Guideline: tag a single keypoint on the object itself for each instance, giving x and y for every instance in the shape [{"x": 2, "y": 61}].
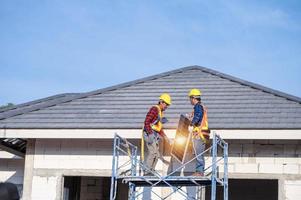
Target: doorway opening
[{"x": 89, "y": 187}]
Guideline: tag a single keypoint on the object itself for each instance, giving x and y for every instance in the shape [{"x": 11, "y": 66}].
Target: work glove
[
  {"x": 196, "y": 131},
  {"x": 190, "y": 129},
  {"x": 164, "y": 120}
]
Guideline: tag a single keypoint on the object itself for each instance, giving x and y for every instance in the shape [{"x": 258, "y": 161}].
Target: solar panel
[{"x": 182, "y": 139}]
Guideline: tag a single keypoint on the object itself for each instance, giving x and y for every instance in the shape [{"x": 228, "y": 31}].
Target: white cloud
[{"x": 260, "y": 15}]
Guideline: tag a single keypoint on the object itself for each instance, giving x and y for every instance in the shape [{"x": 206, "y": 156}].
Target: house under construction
[{"x": 61, "y": 147}]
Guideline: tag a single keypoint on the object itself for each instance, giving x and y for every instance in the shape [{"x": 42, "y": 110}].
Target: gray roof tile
[{"x": 232, "y": 104}]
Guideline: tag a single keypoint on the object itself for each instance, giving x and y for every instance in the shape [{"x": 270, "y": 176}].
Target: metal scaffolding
[{"x": 127, "y": 168}]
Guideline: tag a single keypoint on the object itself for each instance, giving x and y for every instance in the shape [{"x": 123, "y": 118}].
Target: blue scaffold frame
[{"x": 129, "y": 172}]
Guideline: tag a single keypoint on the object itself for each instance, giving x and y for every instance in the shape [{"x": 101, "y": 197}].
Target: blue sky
[{"x": 51, "y": 47}]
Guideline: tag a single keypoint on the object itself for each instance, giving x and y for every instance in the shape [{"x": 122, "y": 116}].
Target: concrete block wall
[
  {"x": 260, "y": 157},
  {"x": 264, "y": 157},
  {"x": 73, "y": 154},
  {"x": 268, "y": 159},
  {"x": 55, "y": 158}
]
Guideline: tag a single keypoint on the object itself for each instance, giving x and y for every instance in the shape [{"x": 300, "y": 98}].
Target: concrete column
[
  {"x": 281, "y": 189},
  {"x": 28, "y": 169},
  {"x": 59, "y": 188}
]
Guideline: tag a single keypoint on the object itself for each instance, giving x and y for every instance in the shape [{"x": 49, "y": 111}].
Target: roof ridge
[{"x": 250, "y": 84}]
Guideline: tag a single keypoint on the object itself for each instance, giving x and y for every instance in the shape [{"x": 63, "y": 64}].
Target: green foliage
[{"x": 7, "y": 106}]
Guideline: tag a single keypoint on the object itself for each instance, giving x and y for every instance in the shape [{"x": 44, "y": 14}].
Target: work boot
[
  {"x": 198, "y": 174},
  {"x": 148, "y": 173}
]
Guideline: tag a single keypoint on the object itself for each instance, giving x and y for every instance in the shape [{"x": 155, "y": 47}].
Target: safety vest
[
  {"x": 157, "y": 124},
  {"x": 203, "y": 129}
]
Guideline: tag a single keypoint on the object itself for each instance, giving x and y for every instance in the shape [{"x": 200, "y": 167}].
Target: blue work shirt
[{"x": 198, "y": 115}]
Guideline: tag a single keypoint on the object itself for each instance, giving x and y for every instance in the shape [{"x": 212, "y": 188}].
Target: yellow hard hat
[
  {"x": 194, "y": 93},
  {"x": 166, "y": 98}
]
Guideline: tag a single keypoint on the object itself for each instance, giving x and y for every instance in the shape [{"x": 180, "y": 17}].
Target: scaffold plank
[{"x": 144, "y": 181}]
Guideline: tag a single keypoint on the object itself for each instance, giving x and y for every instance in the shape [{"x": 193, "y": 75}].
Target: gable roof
[{"x": 232, "y": 104}]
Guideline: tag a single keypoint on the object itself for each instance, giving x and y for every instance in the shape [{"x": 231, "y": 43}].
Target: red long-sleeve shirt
[{"x": 150, "y": 118}]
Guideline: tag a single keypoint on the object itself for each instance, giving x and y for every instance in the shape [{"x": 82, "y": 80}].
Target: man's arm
[
  {"x": 151, "y": 115},
  {"x": 198, "y": 115},
  {"x": 162, "y": 133}
]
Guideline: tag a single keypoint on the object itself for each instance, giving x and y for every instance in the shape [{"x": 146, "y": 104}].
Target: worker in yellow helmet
[
  {"x": 153, "y": 132},
  {"x": 199, "y": 129}
]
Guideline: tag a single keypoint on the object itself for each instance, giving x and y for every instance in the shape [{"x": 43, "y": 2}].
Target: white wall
[
  {"x": 78, "y": 157},
  {"x": 292, "y": 190},
  {"x": 268, "y": 159},
  {"x": 44, "y": 187},
  {"x": 72, "y": 154},
  {"x": 11, "y": 169},
  {"x": 265, "y": 157},
  {"x": 83, "y": 157}
]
